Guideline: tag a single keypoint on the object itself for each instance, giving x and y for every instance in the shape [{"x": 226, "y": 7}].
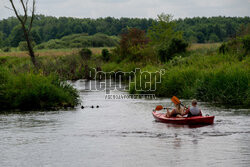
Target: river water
[{"x": 122, "y": 133}]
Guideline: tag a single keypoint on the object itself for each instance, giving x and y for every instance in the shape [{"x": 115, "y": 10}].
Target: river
[{"x": 122, "y": 133}]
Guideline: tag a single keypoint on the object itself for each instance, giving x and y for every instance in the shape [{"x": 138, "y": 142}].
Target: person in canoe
[
  {"x": 193, "y": 110},
  {"x": 178, "y": 111}
]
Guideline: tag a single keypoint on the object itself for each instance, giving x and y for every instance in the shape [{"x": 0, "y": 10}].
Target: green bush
[
  {"x": 30, "y": 91},
  {"x": 223, "y": 48},
  {"x": 85, "y": 53},
  {"x": 168, "y": 49},
  {"x": 6, "y": 49},
  {"x": 246, "y": 43},
  {"x": 105, "y": 55},
  {"x": 80, "y": 41},
  {"x": 213, "y": 78},
  {"x": 223, "y": 86},
  {"x": 239, "y": 46},
  {"x": 23, "y": 45}
]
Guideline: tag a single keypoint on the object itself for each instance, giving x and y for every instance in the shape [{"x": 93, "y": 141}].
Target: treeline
[
  {"x": 45, "y": 28},
  {"x": 213, "y": 29}
]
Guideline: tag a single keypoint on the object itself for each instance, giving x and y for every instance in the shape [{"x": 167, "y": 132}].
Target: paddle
[
  {"x": 175, "y": 100},
  {"x": 159, "y": 107}
]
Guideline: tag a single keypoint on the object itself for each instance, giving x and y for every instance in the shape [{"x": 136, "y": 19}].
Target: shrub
[
  {"x": 131, "y": 44},
  {"x": 85, "y": 53},
  {"x": 30, "y": 91},
  {"x": 6, "y": 49},
  {"x": 168, "y": 49},
  {"x": 239, "y": 46},
  {"x": 223, "y": 86},
  {"x": 246, "y": 43},
  {"x": 164, "y": 39},
  {"x": 105, "y": 55},
  {"x": 23, "y": 45},
  {"x": 223, "y": 48},
  {"x": 213, "y": 78},
  {"x": 80, "y": 41}
]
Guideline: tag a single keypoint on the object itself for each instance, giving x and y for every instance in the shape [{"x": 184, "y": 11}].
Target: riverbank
[
  {"x": 34, "y": 91},
  {"x": 217, "y": 78},
  {"x": 200, "y": 73}
]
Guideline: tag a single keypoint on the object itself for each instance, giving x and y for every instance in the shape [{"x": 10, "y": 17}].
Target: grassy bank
[
  {"x": 208, "y": 77},
  {"x": 29, "y": 91},
  {"x": 201, "y": 73}
]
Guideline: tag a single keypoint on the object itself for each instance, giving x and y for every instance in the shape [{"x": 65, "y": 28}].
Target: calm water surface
[{"x": 122, "y": 133}]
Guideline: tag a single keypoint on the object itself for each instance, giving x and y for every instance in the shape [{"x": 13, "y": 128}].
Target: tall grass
[
  {"x": 28, "y": 91},
  {"x": 211, "y": 77},
  {"x": 202, "y": 73}
]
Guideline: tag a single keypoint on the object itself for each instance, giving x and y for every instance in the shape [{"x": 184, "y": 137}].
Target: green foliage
[
  {"x": 6, "y": 49},
  {"x": 228, "y": 85},
  {"x": 45, "y": 28},
  {"x": 223, "y": 48},
  {"x": 106, "y": 55},
  {"x": 79, "y": 41},
  {"x": 164, "y": 39},
  {"x": 23, "y": 45},
  {"x": 16, "y": 36},
  {"x": 210, "y": 77},
  {"x": 167, "y": 50},
  {"x": 161, "y": 41},
  {"x": 239, "y": 46},
  {"x": 30, "y": 91},
  {"x": 200, "y": 37},
  {"x": 213, "y": 38},
  {"x": 246, "y": 43},
  {"x": 1, "y": 39},
  {"x": 202, "y": 29},
  {"x": 132, "y": 42},
  {"x": 85, "y": 53},
  {"x": 162, "y": 30}
]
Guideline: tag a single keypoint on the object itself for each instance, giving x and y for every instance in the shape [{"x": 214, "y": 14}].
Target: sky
[{"x": 134, "y": 8}]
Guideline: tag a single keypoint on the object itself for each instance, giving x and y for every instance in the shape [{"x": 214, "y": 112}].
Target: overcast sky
[{"x": 136, "y": 8}]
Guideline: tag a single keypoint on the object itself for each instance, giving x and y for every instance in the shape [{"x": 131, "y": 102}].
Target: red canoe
[{"x": 197, "y": 120}]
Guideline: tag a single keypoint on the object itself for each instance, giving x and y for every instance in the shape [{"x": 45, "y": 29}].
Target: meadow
[{"x": 15, "y": 52}]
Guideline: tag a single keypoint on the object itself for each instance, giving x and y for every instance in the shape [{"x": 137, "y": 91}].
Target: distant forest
[{"x": 45, "y": 28}]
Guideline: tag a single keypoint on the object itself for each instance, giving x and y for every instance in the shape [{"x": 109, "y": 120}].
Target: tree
[
  {"x": 23, "y": 45},
  {"x": 85, "y": 54},
  {"x": 231, "y": 32},
  {"x": 164, "y": 39},
  {"x": 105, "y": 55},
  {"x": 162, "y": 30},
  {"x": 132, "y": 43},
  {"x": 77, "y": 29},
  {"x": 200, "y": 37},
  {"x": 213, "y": 38},
  {"x": 1, "y": 39},
  {"x": 16, "y": 36},
  {"x": 26, "y": 28}
]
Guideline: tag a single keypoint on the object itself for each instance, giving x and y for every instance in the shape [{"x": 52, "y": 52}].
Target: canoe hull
[{"x": 196, "y": 120}]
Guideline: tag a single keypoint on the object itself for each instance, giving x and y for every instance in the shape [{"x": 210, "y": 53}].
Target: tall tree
[{"x": 26, "y": 27}]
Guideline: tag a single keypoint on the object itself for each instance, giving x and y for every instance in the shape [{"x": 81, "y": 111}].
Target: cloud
[{"x": 137, "y": 8}]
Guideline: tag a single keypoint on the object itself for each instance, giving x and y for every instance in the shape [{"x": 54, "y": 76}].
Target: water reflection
[{"x": 122, "y": 133}]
